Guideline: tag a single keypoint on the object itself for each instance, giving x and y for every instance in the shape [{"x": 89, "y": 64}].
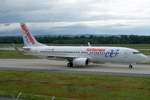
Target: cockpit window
[{"x": 136, "y": 52}]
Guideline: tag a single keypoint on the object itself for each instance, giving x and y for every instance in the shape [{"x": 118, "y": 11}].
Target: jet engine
[{"x": 80, "y": 62}]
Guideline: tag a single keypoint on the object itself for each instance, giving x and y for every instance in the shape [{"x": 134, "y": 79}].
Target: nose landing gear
[{"x": 130, "y": 66}]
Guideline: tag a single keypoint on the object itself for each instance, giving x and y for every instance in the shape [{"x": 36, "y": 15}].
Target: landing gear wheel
[
  {"x": 130, "y": 66},
  {"x": 70, "y": 64}
]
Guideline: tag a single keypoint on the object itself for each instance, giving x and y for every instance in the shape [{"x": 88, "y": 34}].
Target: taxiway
[{"x": 43, "y": 65}]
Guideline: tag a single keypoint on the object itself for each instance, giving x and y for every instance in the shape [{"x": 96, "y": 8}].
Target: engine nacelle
[{"x": 80, "y": 62}]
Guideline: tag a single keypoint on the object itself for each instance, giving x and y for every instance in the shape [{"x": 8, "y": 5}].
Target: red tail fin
[
  {"x": 28, "y": 38},
  {"x": 28, "y": 34}
]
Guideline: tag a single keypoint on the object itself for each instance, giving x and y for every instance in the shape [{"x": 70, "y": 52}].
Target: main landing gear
[
  {"x": 69, "y": 64},
  {"x": 130, "y": 66}
]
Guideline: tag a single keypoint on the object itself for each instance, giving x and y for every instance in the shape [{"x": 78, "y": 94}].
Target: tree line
[{"x": 123, "y": 39}]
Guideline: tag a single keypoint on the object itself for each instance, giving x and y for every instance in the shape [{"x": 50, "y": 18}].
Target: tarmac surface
[{"x": 44, "y": 65}]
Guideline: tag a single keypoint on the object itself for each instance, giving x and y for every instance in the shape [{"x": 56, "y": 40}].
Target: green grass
[
  {"x": 136, "y": 46},
  {"x": 10, "y": 45},
  {"x": 145, "y": 63},
  {"x": 6, "y": 54},
  {"x": 44, "y": 85},
  {"x": 146, "y": 52}
]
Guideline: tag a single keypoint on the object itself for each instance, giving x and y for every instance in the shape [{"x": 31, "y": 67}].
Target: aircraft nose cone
[{"x": 144, "y": 57}]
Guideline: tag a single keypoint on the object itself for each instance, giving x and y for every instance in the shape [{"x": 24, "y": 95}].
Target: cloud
[
  {"x": 10, "y": 27},
  {"x": 47, "y": 14}
]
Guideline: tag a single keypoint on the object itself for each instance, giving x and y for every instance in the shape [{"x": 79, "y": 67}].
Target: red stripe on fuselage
[
  {"x": 93, "y": 49},
  {"x": 26, "y": 32}
]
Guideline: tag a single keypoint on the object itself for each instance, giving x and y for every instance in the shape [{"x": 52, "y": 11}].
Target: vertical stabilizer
[{"x": 28, "y": 38}]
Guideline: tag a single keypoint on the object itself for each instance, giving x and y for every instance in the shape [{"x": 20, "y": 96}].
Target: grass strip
[
  {"x": 44, "y": 85},
  {"x": 6, "y": 54}
]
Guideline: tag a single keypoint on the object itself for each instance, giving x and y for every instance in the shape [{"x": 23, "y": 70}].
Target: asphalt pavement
[{"x": 44, "y": 65}]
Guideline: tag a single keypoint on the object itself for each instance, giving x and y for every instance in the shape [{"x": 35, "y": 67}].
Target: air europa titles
[
  {"x": 93, "y": 49},
  {"x": 107, "y": 53},
  {"x": 112, "y": 53}
]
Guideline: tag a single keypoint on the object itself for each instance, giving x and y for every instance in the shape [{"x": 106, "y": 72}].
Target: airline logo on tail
[{"x": 27, "y": 34}]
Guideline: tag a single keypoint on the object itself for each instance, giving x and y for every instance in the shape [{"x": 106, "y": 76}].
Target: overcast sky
[{"x": 75, "y": 16}]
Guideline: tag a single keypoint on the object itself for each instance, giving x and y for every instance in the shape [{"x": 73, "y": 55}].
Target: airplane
[{"x": 80, "y": 56}]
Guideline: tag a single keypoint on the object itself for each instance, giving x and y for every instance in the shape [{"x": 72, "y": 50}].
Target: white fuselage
[
  {"x": 80, "y": 56},
  {"x": 94, "y": 54}
]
